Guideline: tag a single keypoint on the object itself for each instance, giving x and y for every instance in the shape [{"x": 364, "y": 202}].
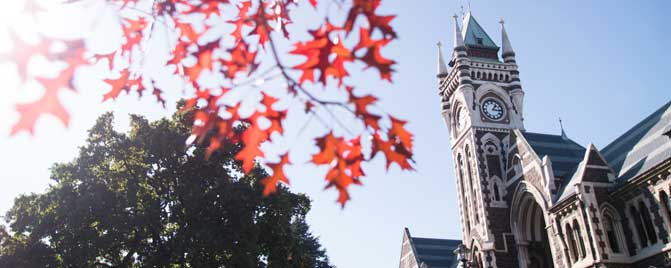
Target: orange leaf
[
  {"x": 118, "y": 85},
  {"x": 252, "y": 138},
  {"x": 270, "y": 182}
]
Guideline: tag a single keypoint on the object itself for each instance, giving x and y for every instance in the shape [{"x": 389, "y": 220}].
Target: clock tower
[{"x": 482, "y": 101}]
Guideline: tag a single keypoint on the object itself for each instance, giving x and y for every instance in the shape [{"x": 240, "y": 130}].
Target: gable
[
  {"x": 427, "y": 252},
  {"x": 564, "y": 153}
]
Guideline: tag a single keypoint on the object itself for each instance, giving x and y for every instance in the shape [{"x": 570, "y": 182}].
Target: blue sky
[{"x": 599, "y": 65}]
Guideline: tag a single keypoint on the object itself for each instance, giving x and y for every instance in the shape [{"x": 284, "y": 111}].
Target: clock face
[{"x": 492, "y": 109}]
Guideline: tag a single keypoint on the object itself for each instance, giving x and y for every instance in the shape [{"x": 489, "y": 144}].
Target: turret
[
  {"x": 442, "y": 67},
  {"x": 507, "y": 52}
]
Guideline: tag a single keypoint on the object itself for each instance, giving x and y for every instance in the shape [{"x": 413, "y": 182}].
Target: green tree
[{"x": 145, "y": 199}]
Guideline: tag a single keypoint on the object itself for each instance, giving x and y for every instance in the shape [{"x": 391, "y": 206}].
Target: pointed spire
[
  {"x": 563, "y": 133},
  {"x": 458, "y": 39},
  {"x": 442, "y": 68},
  {"x": 507, "y": 49}
]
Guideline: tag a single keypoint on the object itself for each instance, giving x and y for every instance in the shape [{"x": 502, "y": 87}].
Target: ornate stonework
[{"x": 533, "y": 200}]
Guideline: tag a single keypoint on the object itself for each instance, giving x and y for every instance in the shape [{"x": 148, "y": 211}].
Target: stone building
[{"x": 539, "y": 200}]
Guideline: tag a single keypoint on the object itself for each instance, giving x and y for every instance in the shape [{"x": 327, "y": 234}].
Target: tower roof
[{"x": 474, "y": 35}]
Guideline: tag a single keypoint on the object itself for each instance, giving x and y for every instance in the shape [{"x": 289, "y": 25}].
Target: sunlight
[{"x": 11, "y": 20}]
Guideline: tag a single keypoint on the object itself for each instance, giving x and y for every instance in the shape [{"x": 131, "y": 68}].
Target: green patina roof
[{"x": 472, "y": 31}]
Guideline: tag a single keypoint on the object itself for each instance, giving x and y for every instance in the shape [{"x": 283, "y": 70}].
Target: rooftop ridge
[{"x": 635, "y": 128}]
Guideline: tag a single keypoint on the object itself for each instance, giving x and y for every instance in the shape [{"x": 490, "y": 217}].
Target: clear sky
[{"x": 599, "y": 65}]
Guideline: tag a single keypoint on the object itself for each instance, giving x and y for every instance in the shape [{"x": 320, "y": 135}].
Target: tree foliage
[
  {"x": 142, "y": 199},
  {"x": 199, "y": 50}
]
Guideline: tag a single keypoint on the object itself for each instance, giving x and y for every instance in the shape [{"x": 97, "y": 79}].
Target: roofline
[
  {"x": 563, "y": 203},
  {"x": 519, "y": 133},
  {"x": 635, "y": 127},
  {"x": 651, "y": 172},
  {"x": 441, "y": 239},
  {"x": 412, "y": 246},
  {"x": 464, "y": 30}
]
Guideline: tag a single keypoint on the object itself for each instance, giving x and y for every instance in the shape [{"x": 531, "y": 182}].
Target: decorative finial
[
  {"x": 458, "y": 39},
  {"x": 442, "y": 68},
  {"x": 507, "y": 51},
  {"x": 563, "y": 133}
]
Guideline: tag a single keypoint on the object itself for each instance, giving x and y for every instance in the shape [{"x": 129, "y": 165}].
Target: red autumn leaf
[
  {"x": 270, "y": 182},
  {"x": 241, "y": 21},
  {"x": 23, "y": 52},
  {"x": 215, "y": 117},
  {"x": 108, "y": 56},
  {"x": 398, "y": 131},
  {"x": 203, "y": 61},
  {"x": 47, "y": 104},
  {"x": 367, "y": 8},
  {"x": 275, "y": 116},
  {"x": 118, "y": 85},
  {"x": 252, "y": 138},
  {"x": 324, "y": 54},
  {"x": 344, "y": 160},
  {"x": 361, "y": 108},
  {"x": 187, "y": 31},
  {"x": 373, "y": 56},
  {"x": 388, "y": 148},
  {"x": 207, "y": 7},
  {"x": 241, "y": 60},
  {"x": 327, "y": 149}
]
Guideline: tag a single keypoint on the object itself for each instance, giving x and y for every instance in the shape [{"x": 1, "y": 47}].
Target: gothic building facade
[{"x": 532, "y": 200}]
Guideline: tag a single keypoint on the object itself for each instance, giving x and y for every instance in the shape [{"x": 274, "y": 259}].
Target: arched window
[
  {"x": 460, "y": 162},
  {"x": 497, "y": 192},
  {"x": 647, "y": 222},
  {"x": 472, "y": 184},
  {"x": 578, "y": 236},
  {"x": 612, "y": 229},
  {"x": 572, "y": 247},
  {"x": 473, "y": 74},
  {"x": 479, "y": 75},
  {"x": 666, "y": 206},
  {"x": 638, "y": 223}
]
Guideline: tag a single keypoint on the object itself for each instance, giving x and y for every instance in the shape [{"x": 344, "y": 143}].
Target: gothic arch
[
  {"x": 496, "y": 90},
  {"x": 463, "y": 186},
  {"x": 459, "y": 103},
  {"x": 613, "y": 229},
  {"x": 498, "y": 189},
  {"x": 528, "y": 221},
  {"x": 489, "y": 137}
]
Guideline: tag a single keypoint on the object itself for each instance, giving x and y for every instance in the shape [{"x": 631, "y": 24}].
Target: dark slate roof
[
  {"x": 564, "y": 153},
  {"x": 472, "y": 31},
  {"x": 642, "y": 147},
  {"x": 436, "y": 253}
]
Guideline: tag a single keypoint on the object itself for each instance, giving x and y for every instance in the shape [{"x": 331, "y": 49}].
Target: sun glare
[{"x": 10, "y": 15}]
